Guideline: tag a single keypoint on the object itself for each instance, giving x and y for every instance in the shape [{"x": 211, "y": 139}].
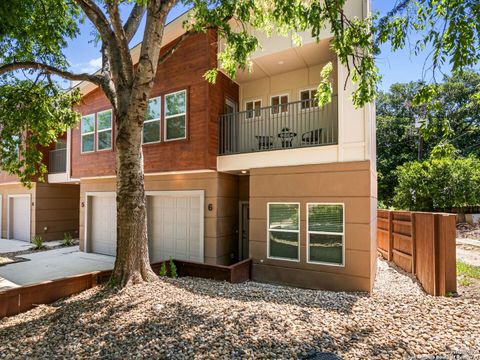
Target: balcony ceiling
[{"x": 291, "y": 59}]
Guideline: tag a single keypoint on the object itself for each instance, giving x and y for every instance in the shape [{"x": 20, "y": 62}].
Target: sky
[{"x": 400, "y": 66}]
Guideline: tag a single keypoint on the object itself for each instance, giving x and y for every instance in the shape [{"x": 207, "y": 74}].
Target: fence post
[
  {"x": 390, "y": 235},
  {"x": 414, "y": 243}
]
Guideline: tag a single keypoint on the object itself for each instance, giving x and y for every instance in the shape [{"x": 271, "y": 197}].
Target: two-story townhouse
[
  {"x": 249, "y": 167},
  {"x": 48, "y": 208}
]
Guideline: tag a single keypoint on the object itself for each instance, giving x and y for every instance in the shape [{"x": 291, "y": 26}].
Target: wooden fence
[
  {"x": 17, "y": 300},
  {"x": 422, "y": 244}
]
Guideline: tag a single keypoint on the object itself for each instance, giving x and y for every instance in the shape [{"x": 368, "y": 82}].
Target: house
[
  {"x": 250, "y": 167},
  {"x": 49, "y": 208}
]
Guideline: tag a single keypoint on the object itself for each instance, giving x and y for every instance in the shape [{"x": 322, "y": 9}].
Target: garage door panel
[
  {"x": 175, "y": 230},
  {"x": 103, "y": 220},
  {"x": 20, "y": 218}
]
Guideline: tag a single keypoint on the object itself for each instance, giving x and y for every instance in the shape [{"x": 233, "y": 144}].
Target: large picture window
[
  {"x": 326, "y": 234},
  {"x": 284, "y": 231},
  {"x": 104, "y": 130},
  {"x": 151, "y": 126},
  {"x": 175, "y": 115},
  {"x": 87, "y": 126}
]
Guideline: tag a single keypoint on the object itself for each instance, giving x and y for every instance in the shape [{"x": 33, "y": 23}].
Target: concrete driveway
[{"x": 51, "y": 265}]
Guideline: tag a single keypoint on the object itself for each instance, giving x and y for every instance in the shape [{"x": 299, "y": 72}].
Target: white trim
[
  {"x": 279, "y": 104},
  {"x": 104, "y": 130},
  {"x": 88, "y": 133},
  {"x": 86, "y": 213},
  {"x": 159, "y": 119},
  {"x": 29, "y": 214},
  {"x": 165, "y": 117},
  {"x": 326, "y": 233},
  {"x": 283, "y": 230},
  {"x": 253, "y": 110},
  {"x": 153, "y": 174}
]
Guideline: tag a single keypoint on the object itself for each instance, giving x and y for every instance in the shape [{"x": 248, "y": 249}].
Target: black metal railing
[
  {"x": 57, "y": 162},
  {"x": 285, "y": 126}
]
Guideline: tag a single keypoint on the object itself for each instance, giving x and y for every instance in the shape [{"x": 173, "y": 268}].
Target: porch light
[{"x": 244, "y": 171}]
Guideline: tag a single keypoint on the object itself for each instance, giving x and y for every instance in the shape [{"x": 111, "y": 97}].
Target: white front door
[
  {"x": 19, "y": 211},
  {"x": 102, "y": 215},
  {"x": 175, "y": 225}
]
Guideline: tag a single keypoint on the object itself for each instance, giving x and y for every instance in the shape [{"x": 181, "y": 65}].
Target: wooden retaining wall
[
  {"x": 17, "y": 300},
  {"x": 422, "y": 244}
]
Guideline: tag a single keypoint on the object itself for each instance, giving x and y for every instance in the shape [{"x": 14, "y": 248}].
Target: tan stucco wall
[
  {"x": 16, "y": 189},
  {"x": 57, "y": 210},
  {"x": 221, "y": 191},
  {"x": 348, "y": 183}
]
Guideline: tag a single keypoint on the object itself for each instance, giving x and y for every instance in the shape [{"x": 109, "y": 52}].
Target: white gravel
[{"x": 195, "y": 318}]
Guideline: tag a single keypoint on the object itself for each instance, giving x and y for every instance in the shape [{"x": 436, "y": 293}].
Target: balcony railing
[
  {"x": 285, "y": 126},
  {"x": 57, "y": 162}
]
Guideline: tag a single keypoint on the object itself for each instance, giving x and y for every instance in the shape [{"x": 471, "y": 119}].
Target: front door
[{"x": 244, "y": 238}]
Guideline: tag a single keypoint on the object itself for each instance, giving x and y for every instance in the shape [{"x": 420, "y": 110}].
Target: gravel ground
[
  {"x": 468, "y": 231},
  {"x": 195, "y": 318}
]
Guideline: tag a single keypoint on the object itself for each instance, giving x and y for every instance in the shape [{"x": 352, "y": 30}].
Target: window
[
  {"x": 104, "y": 130},
  {"x": 151, "y": 126},
  {"x": 279, "y": 104},
  {"x": 175, "y": 115},
  {"x": 250, "y": 106},
  {"x": 309, "y": 98},
  {"x": 325, "y": 234},
  {"x": 283, "y": 231},
  {"x": 87, "y": 125}
]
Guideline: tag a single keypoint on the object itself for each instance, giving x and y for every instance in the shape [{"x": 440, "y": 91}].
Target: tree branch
[
  {"x": 95, "y": 79},
  {"x": 133, "y": 21},
  {"x": 97, "y": 17}
]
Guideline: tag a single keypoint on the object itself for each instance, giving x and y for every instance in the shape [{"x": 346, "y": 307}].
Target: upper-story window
[
  {"x": 104, "y": 130},
  {"x": 87, "y": 125},
  {"x": 175, "y": 115},
  {"x": 253, "y": 108},
  {"x": 308, "y": 98},
  {"x": 279, "y": 104},
  {"x": 151, "y": 126}
]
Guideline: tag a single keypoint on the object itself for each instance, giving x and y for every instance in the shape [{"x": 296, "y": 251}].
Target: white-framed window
[
  {"x": 151, "y": 125},
  {"x": 252, "y": 108},
  {"x": 87, "y": 128},
  {"x": 326, "y": 234},
  {"x": 104, "y": 130},
  {"x": 283, "y": 228},
  {"x": 279, "y": 104},
  {"x": 308, "y": 98},
  {"x": 176, "y": 115}
]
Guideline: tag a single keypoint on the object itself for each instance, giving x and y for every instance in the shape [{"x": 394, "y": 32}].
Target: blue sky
[{"x": 400, "y": 66}]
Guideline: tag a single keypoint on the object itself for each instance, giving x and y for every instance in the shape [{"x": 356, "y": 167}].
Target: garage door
[
  {"x": 103, "y": 225},
  {"x": 175, "y": 225},
  {"x": 20, "y": 218}
]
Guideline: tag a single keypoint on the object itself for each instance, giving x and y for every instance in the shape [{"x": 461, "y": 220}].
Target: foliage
[
  {"x": 67, "y": 239},
  {"x": 173, "y": 269},
  {"x": 163, "y": 269},
  {"x": 37, "y": 242},
  {"x": 467, "y": 272},
  {"x": 442, "y": 182}
]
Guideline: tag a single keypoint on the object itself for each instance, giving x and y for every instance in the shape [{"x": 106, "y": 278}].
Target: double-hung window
[
  {"x": 279, "y": 104},
  {"x": 151, "y": 126},
  {"x": 175, "y": 115},
  {"x": 104, "y": 130},
  {"x": 87, "y": 126},
  {"x": 253, "y": 108},
  {"x": 325, "y": 234},
  {"x": 308, "y": 98},
  {"x": 284, "y": 231}
]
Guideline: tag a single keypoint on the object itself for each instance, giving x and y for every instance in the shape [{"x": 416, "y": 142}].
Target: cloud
[{"x": 93, "y": 65}]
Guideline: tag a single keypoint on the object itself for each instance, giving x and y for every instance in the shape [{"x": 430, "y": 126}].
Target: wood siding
[{"x": 205, "y": 102}]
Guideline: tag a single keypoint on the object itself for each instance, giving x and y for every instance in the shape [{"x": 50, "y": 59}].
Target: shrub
[
  {"x": 67, "y": 239},
  {"x": 163, "y": 269},
  {"x": 173, "y": 269},
  {"x": 37, "y": 242}
]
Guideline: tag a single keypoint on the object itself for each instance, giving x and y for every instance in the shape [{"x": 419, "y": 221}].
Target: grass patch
[
  {"x": 466, "y": 270},
  {"x": 464, "y": 281}
]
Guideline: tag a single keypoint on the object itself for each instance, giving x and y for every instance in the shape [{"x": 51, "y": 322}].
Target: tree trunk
[{"x": 132, "y": 264}]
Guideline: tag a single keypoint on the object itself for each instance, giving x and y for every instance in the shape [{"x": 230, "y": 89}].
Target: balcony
[
  {"x": 57, "y": 162},
  {"x": 279, "y": 127}
]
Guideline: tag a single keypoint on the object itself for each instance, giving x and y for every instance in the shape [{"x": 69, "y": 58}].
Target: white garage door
[
  {"x": 175, "y": 225},
  {"x": 103, "y": 225},
  {"x": 20, "y": 218}
]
